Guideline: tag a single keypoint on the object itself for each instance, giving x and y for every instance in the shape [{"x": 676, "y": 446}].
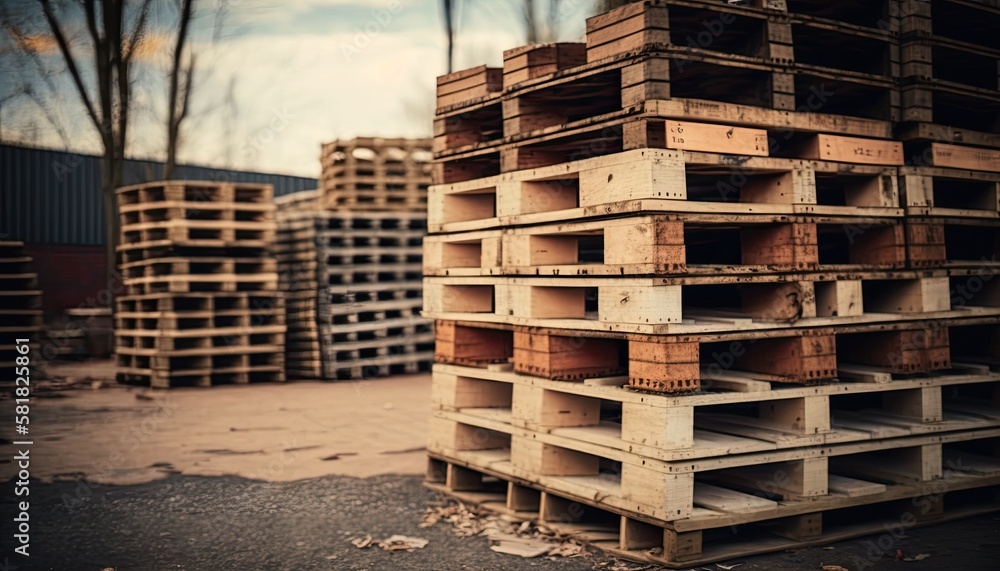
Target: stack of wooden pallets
[
  {"x": 951, "y": 112},
  {"x": 201, "y": 304},
  {"x": 368, "y": 173},
  {"x": 20, "y": 308},
  {"x": 298, "y": 279},
  {"x": 350, "y": 260},
  {"x": 677, "y": 289}
]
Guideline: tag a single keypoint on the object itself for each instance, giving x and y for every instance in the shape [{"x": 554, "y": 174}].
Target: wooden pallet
[
  {"x": 952, "y": 242},
  {"x": 363, "y": 199},
  {"x": 183, "y": 354},
  {"x": 370, "y": 255},
  {"x": 877, "y": 15},
  {"x": 645, "y": 126},
  {"x": 950, "y": 83},
  {"x": 198, "y": 233},
  {"x": 173, "y": 266},
  {"x": 201, "y": 282},
  {"x": 724, "y": 533},
  {"x": 383, "y": 312},
  {"x": 951, "y": 19},
  {"x": 20, "y": 308},
  {"x": 347, "y": 332},
  {"x": 352, "y": 351},
  {"x": 677, "y": 181},
  {"x": 968, "y": 114},
  {"x": 142, "y": 213},
  {"x": 688, "y": 306},
  {"x": 200, "y": 302},
  {"x": 725, "y": 418},
  {"x": 386, "y": 174},
  {"x": 596, "y": 96},
  {"x": 538, "y": 60},
  {"x": 949, "y": 192},
  {"x": 200, "y": 378},
  {"x": 956, "y": 156},
  {"x": 952, "y": 62},
  {"x": 202, "y": 320},
  {"x": 298, "y": 217},
  {"x": 355, "y": 310},
  {"x": 468, "y": 85},
  {"x": 716, "y": 303},
  {"x": 674, "y": 244},
  {"x": 645, "y": 467},
  {"x": 746, "y": 33},
  {"x": 761, "y": 71},
  {"x": 296, "y": 203},
  {"x": 401, "y": 363},
  {"x": 265, "y": 331},
  {"x": 200, "y": 305},
  {"x": 194, "y": 191},
  {"x": 335, "y": 276},
  {"x": 367, "y": 331},
  {"x": 680, "y": 363}
]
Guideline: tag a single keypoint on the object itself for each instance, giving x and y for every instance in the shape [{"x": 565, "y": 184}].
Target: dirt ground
[
  {"x": 273, "y": 432},
  {"x": 284, "y": 477}
]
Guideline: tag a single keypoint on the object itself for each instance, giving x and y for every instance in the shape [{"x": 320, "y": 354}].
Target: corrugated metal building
[
  {"x": 54, "y": 197},
  {"x": 51, "y": 200}
]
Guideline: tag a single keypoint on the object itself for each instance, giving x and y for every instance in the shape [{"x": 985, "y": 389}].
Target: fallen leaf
[
  {"x": 919, "y": 557},
  {"x": 403, "y": 543},
  {"x": 362, "y": 542},
  {"x": 834, "y": 568}
]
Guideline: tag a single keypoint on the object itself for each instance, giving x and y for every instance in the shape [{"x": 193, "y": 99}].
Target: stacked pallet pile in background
[
  {"x": 690, "y": 285},
  {"x": 352, "y": 270},
  {"x": 298, "y": 279},
  {"x": 20, "y": 308},
  {"x": 201, "y": 304},
  {"x": 367, "y": 173}
]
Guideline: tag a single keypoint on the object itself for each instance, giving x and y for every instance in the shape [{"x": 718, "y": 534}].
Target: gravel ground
[{"x": 226, "y": 523}]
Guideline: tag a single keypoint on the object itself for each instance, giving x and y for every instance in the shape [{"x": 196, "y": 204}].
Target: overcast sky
[{"x": 283, "y": 76}]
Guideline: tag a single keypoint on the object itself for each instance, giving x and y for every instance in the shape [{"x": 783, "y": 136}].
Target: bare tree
[
  {"x": 449, "y": 30},
  {"x": 99, "y": 42},
  {"x": 180, "y": 89},
  {"x": 530, "y": 21},
  {"x": 606, "y": 5},
  {"x": 115, "y": 31},
  {"x": 538, "y": 31}
]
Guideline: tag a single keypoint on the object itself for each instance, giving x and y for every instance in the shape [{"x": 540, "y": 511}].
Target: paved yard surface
[{"x": 269, "y": 477}]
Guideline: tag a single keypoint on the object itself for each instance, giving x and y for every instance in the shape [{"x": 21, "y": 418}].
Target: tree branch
[
  {"x": 139, "y": 32},
  {"x": 178, "y": 102},
  {"x": 70, "y": 62}
]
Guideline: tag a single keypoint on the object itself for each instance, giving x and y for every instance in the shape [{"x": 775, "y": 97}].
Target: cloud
[
  {"x": 303, "y": 72},
  {"x": 41, "y": 44}
]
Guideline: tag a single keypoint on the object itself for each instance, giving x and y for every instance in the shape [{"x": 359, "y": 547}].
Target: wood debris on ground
[
  {"x": 524, "y": 539},
  {"x": 392, "y": 543}
]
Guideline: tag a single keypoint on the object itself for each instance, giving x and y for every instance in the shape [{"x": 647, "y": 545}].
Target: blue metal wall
[{"x": 53, "y": 197}]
